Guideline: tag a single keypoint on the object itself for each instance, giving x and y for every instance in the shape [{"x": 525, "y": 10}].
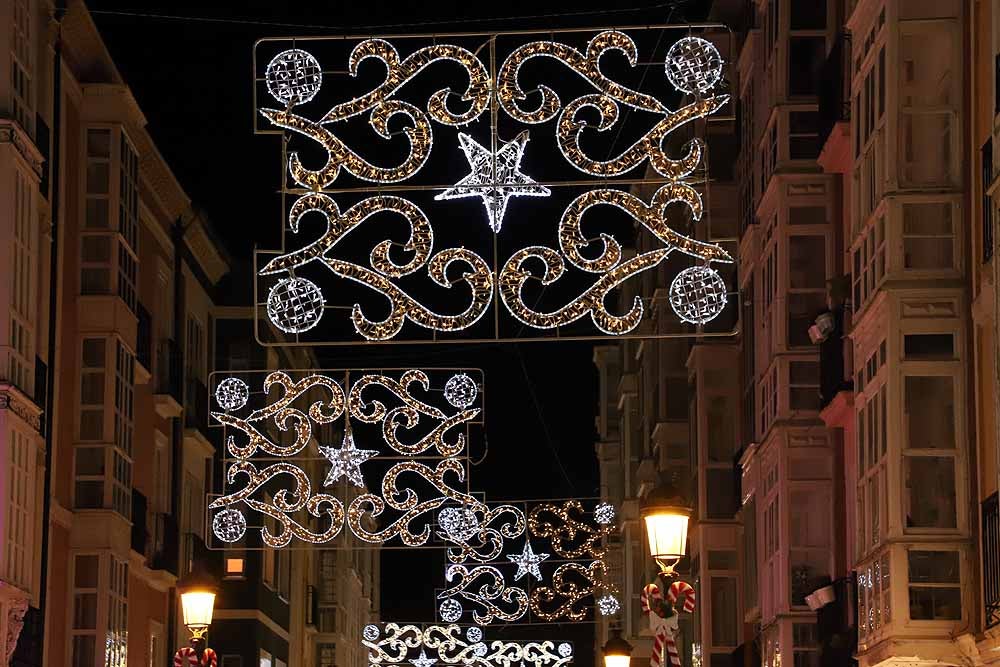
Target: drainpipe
[{"x": 55, "y": 198}]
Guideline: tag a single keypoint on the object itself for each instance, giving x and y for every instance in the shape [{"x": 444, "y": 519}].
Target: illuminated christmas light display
[
  {"x": 293, "y": 77},
  {"x": 608, "y": 605},
  {"x": 693, "y": 66},
  {"x": 458, "y": 523},
  {"x": 495, "y": 177},
  {"x": 446, "y": 646},
  {"x": 229, "y": 525},
  {"x": 698, "y": 294},
  {"x": 604, "y": 513},
  {"x": 346, "y": 462},
  {"x": 527, "y": 562},
  {"x": 460, "y": 390},
  {"x": 295, "y": 305},
  {"x": 485, "y": 587},
  {"x": 232, "y": 394}
]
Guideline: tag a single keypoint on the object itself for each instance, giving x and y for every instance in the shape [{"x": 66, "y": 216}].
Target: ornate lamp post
[
  {"x": 197, "y": 591},
  {"x": 666, "y": 514},
  {"x": 617, "y": 651}
]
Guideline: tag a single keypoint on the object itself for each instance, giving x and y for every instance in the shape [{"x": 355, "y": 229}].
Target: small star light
[
  {"x": 295, "y": 305},
  {"x": 232, "y": 394},
  {"x": 293, "y": 77},
  {"x": 451, "y": 610},
  {"x": 527, "y": 562},
  {"x": 229, "y": 525},
  {"x": 474, "y": 634},
  {"x": 346, "y": 461},
  {"x": 370, "y": 632},
  {"x": 460, "y": 390},
  {"x": 698, "y": 294},
  {"x": 458, "y": 523},
  {"x": 604, "y": 513},
  {"x": 565, "y": 649},
  {"x": 423, "y": 660},
  {"x": 495, "y": 188},
  {"x": 693, "y": 65},
  {"x": 608, "y": 605}
]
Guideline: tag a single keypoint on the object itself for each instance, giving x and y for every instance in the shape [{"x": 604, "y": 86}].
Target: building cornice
[
  {"x": 13, "y": 399},
  {"x": 12, "y": 133}
]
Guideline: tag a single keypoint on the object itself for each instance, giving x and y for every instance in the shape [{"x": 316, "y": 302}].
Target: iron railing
[
  {"x": 168, "y": 369},
  {"x": 991, "y": 559},
  {"x": 835, "y": 86},
  {"x": 986, "y": 153}
]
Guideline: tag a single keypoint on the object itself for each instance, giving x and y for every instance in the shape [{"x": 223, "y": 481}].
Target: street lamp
[
  {"x": 197, "y": 591},
  {"x": 617, "y": 651},
  {"x": 666, "y": 514}
]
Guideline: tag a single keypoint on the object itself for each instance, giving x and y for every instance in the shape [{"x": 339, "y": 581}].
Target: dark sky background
[{"x": 192, "y": 79}]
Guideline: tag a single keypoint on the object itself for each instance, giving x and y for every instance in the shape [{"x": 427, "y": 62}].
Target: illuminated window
[
  {"x": 935, "y": 585},
  {"x": 234, "y": 567}
]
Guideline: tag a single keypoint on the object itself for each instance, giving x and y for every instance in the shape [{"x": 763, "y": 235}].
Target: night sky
[{"x": 192, "y": 79}]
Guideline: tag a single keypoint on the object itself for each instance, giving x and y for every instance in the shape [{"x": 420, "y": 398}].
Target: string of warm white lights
[{"x": 394, "y": 644}]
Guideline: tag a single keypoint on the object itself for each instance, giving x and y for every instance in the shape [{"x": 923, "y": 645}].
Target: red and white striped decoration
[
  {"x": 186, "y": 657},
  {"x": 664, "y": 632}
]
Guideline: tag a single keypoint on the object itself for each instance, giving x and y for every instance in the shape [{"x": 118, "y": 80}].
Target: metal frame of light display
[{"x": 405, "y": 258}]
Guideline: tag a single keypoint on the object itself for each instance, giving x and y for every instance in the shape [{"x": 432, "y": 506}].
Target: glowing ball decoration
[
  {"x": 693, "y": 65},
  {"x": 229, "y": 525},
  {"x": 295, "y": 305},
  {"x": 460, "y": 391},
  {"x": 451, "y": 610},
  {"x": 232, "y": 394},
  {"x": 698, "y": 294},
  {"x": 293, "y": 77},
  {"x": 458, "y": 523}
]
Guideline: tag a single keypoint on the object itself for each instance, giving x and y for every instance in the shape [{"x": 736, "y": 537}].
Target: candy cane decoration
[
  {"x": 186, "y": 657},
  {"x": 664, "y": 627}
]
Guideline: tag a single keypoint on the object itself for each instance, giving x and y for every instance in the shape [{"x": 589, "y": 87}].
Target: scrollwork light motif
[
  {"x": 572, "y": 584},
  {"x": 484, "y": 585},
  {"x": 447, "y": 645},
  {"x": 401, "y": 486},
  {"x": 570, "y": 535}
]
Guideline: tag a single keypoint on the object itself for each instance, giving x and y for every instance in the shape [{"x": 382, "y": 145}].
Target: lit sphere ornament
[
  {"x": 295, "y": 305},
  {"x": 232, "y": 394},
  {"x": 460, "y": 391},
  {"x": 451, "y": 610},
  {"x": 474, "y": 634},
  {"x": 229, "y": 525},
  {"x": 698, "y": 294},
  {"x": 604, "y": 513},
  {"x": 293, "y": 77},
  {"x": 608, "y": 605},
  {"x": 458, "y": 523},
  {"x": 479, "y": 650},
  {"x": 370, "y": 632},
  {"x": 565, "y": 649},
  {"x": 693, "y": 65}
]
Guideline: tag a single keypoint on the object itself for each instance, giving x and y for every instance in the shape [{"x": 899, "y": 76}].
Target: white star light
[
  {"x": 495, "y": 188},
  {"x": 527, "y": 562},
  {"x": 423, "y": 660},
  {"x": 346, "y": 461}
]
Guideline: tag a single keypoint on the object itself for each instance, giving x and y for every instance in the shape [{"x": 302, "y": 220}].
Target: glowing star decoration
[
  {"x": 423, "y": 660},
  {"x": 346, "y": 462},
  {"x": 229, "y": 525},
  {"x": 604, "y": 513},
  {"x": 693, "y": 65},
  {"x": 232, "y": 394},
  {"x": 295, "y": 305},
  {"x": 450, "y": 610},
  {"x": 495, "y": 177},
  {"x": 527, "y": 562},
  {"x": 458, "y": 523},
  {"x": 698, "y": 295},
  {"x": 293, "y": 77},
  {"x": 608, "y": 605},
  {"x": 370, "y": 632},
  {"x": 460, "y": 391}
]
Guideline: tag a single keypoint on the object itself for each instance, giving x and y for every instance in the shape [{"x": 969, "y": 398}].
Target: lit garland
[
  {"x": 570, "y": 536},
  {"x": 484, "y": 585},
  {"x": 328, "y": 403},
  {"x": 497, "y": 525},
  {"x": 495, "y": 177},
  {"x": 571, "y": 584},
  {"x": 446, "y": 645}
]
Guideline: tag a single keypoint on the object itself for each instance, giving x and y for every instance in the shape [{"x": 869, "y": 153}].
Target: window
[
  {"x": 20, "y": 512},
  {"x": 930, "y": 412},
  {"x": 809, "y": 541},
  {"x": 868, "y": 263},
  {"x": 805, "y": 645},
  {"x": 928, "y": 236},
  {"x": 805, "y": 60},
  {"x": 929, "y": 346},
  {"x": 872, "y": 490},
  {"x": 235, "y": 568},
  {"x": 128, "y": 222},
  {"x": 928, "y": 95},
  {"x": 326, "y": 655},
  {"x": 724, "y": 607},
  {"x": 161, "y": 478},
  {"x": 23, "y": 299},
  {"x": 22, "y": 98},
  {"x": 124, "y": 414},
  {"x": 874, "y": 596},
  {"x": 157, "y": 645},
  {"x": 116, "y": 644},
  {"x": 935, "y": 580},
  {"x": 265, "y": 659},
  {"x": 803, "y": 135},
  {"x": 807, "y": 215},
  {"x": 807, "y": 286},
  {"x": 231, "y": 661},
  {"x": 803, "y": 385},
  {"x": 86, "y": 572},
  {"x": 930, "y": 491}
]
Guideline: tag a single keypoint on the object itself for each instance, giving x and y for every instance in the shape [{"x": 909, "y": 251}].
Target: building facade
[{"x": 118, "y": 308}]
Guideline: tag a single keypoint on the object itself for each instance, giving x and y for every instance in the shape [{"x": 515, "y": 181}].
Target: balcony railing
[
  {"x": 991, "y": 560},
  {"x": 165, "y": 543},
  {"x": 832, "y": 378},
  {"x": 168, "y": 369},
  {"x": 196, "y": 406},
  {"x": 144, "y": 338},
  {"x": 835, "y": 86},
  {"x": 140, "y": 533}
]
